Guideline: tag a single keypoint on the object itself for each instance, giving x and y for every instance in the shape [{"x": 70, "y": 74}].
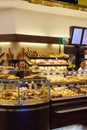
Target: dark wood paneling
[
  {"x": 28, "y": 38},
  {"x": 33, "y": 117},
  {"x": 7, "y": 37},
  {"x": 36, "y": 39},
  {"x": 71, "y": 49},
  {"x": 67, "y": 111}
]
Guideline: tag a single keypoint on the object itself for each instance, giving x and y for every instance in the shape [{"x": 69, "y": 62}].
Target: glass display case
[
  {"x": 71, "y": 84},
  {"x": 68, "y": 99},
  {"x": 23, "y": 100},
  {"x": 24, "y": 91}
]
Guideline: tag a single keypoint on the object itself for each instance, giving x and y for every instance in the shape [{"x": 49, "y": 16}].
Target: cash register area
[{"x": 73, "y": 127}]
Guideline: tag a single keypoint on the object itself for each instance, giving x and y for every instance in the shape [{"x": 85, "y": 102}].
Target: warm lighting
[
  {"x": 55, "y": 45},
  {"x": 33, "y": 44},
  {"x": 5, "y": 43}
]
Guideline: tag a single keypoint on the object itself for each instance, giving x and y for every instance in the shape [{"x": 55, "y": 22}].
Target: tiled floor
[{"x": 73, "y": 127}]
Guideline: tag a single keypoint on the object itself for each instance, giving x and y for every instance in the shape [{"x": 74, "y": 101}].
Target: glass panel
[{"x": 33, "y": 91}]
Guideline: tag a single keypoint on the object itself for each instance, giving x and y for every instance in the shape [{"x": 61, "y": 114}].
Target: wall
[
  {"x": 36, "y": 23},
  {"x": 7, "y": 21}
]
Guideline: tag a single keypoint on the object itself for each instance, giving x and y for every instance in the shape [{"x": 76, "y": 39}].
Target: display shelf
[
  {"x": 50, "y": 65},
  {"x": 38, "y": 57},
  {"x": 2, "y": 54},
  {"x": 5, "y": 81},
  {"x": 69, "y": 83},
  {"x": 68, "y": 98},
  {"x": 34, "y": 80},
  {"x": 28, "y": 38},
  {"x": 24, "y": 79},
  {"x": 2, "y": 61},
  {"x": 46, "y": 60},
  {"x": 70, "y": 103}
]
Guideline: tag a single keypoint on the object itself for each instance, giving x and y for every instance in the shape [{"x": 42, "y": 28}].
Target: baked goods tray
[
  {"x": 8, "y": 80},
  {"x": 69, "y": 97},
  {"x": 68, "y": 83},
  {"x": 27, "y": 78},
  {"x": 51, "y": 64},
  {"x": 46, "y": 57},
  {"x": 22, "y": 102}
]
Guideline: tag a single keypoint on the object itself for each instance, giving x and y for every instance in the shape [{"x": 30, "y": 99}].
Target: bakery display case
[
  {"x": 38, "y": 103},
  {"x": 68, "y": 99},
  {"x": 23, "y": 103},
  {"x": 24, "y": 91}
]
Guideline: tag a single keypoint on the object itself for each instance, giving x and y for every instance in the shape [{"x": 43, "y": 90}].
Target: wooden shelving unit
[
  {"x": 28, "y": 38},
  {"x": 2, "y": 60}
]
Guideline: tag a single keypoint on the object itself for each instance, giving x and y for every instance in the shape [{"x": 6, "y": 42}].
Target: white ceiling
[{"x": 21, "y": 4}]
